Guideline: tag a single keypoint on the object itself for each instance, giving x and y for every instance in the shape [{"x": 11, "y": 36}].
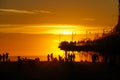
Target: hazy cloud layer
[
  {"x": 88, "y": 19},
  {"x": 24, "y": 11}
]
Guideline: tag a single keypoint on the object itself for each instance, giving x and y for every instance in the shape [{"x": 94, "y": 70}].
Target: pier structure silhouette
[{"x": 108, "y": 45}]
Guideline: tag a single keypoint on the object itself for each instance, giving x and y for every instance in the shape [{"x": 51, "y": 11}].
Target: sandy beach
[{"x": 59, "y": 71}]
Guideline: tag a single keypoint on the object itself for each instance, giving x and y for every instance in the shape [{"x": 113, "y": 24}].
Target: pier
[{"x": 107, "y": 45}]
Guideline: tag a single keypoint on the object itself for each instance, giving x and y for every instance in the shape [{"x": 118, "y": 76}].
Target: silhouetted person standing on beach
[
  {"x": 73, "y": 57},
  {"x": 51, "y": 56},
  {"x": 19, "y": 59},
  {"x": 6, "y": 56},
  {"x": 48, "y": 57},
  {"x": 60, "y": 58},
  {"x": 3, "y": 57},
  {"x": 94, "y": 58},
  {"x": 19, "y": 62}
]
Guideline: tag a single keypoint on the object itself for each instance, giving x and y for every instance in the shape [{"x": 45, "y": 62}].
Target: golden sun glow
[
  {"x": 62, "y": 29},
  {"x": 50, "y": 29},
  {"x": 67, "y": 32}
]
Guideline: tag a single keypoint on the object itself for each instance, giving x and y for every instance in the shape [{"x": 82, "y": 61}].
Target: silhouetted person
[
  {"x": 51, "y": 56},
  {"x": 55, "y": 59},
  {"x": 19, "y": 62},
  {"x": 48, "y": 57},
  {"x": 73, "y": 57},
  {"x": 94, "y": 58},
  {"x": 37, "y": 60},
  {"x": 66, "y": 59},
  {"x": 60, "y": 58},
  {"x": 69, "y": 57},
  {"x": 6, "y": 56},
  {"x": 3, "y": 57}
]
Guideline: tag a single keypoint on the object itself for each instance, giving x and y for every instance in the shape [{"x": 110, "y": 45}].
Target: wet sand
[{"x": 59, "y": 71}]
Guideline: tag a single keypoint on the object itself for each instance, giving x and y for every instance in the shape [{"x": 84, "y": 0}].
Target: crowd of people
[{"x": 69, "y": 58}]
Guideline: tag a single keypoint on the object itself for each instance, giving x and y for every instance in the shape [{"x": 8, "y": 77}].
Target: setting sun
[{"x": 67, "y": 32}]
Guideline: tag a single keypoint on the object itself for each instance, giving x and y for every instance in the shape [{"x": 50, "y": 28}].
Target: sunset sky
[
  {"x": 56, "y": 16},
  {"x": 38, "y": 20}
]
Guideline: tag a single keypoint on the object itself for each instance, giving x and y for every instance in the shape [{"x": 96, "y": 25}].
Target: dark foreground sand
[{"x": 59, "y": 71}]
